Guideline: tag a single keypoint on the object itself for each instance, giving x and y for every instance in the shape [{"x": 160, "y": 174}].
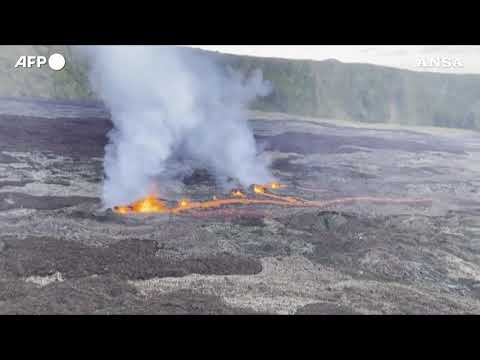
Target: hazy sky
[{"x": 456, "y": 58}]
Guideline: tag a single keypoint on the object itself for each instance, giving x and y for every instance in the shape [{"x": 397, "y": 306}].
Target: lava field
[{"x": 377, "y": 251}]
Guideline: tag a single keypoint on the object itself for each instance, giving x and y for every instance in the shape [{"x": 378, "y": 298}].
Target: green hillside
[
  {"x": 367, "y": 93},
  {"x": 329, "y": 89},
  {"x": 70, "y": 83}
]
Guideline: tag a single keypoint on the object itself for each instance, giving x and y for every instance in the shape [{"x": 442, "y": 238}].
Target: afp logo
[{"x": 55, "y": 61}]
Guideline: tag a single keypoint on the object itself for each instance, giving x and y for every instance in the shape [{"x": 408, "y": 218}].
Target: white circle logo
[{"x": 56, "y": 62}]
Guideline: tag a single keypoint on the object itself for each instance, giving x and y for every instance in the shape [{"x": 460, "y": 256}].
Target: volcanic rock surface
[{"x": 62, "y": 253}]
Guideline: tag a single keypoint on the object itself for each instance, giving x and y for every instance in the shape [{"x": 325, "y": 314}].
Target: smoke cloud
[{"x": 167, "y": 102}]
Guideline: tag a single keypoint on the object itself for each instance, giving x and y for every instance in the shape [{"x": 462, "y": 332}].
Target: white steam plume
[{"x": 167, "y": 99}]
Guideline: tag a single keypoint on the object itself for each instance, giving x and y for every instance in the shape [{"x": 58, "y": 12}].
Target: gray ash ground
[{"x": 61, "y": 253}]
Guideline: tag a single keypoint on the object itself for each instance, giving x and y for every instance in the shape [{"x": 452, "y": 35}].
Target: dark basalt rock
[
  {"x": 15, "y": 200},
  {"x": 129, "y": 259},
  {"x": 104, "y": 295}
]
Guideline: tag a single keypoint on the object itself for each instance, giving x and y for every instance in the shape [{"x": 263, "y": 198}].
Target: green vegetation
[
  {"x": 367, "y": 93},
  {"x": 72, "y": 81},
  {"x": 328, "y": 89}
]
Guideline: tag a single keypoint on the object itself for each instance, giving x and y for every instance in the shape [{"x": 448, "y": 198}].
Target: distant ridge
[{"x": 327, "y": 89}]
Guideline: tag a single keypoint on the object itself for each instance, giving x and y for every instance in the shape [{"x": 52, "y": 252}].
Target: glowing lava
[
  {"x": 259, "y": 189},
  {"x": 275, "y": 185},
  {"x": 151, "y": 204},
  {"x": 147, "y": 204},
  {"x": 238, "y": 193},
  {"x": 262, "y": 190},
  {"x": 183, "y": 203}
]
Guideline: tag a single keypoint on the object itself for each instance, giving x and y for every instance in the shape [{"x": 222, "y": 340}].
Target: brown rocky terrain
[{"x": 62, "y": 253}]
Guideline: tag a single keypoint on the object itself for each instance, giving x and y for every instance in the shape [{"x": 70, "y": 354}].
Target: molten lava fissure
[
  {"x": 261, "y": 195},
  {"x": 147, "y": 204},
  {"x": 238, "y": 193}
]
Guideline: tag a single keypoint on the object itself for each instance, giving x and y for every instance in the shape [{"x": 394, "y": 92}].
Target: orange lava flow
[
  {"x": 147, "y": 204},
  {"x": 150, "y": 204},
  {"x": 262, "y": 190},
  {"x": 238, "y": 193}
]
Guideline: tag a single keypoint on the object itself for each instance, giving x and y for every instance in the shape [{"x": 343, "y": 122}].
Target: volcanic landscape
[{"x": 392, "y": 224}]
